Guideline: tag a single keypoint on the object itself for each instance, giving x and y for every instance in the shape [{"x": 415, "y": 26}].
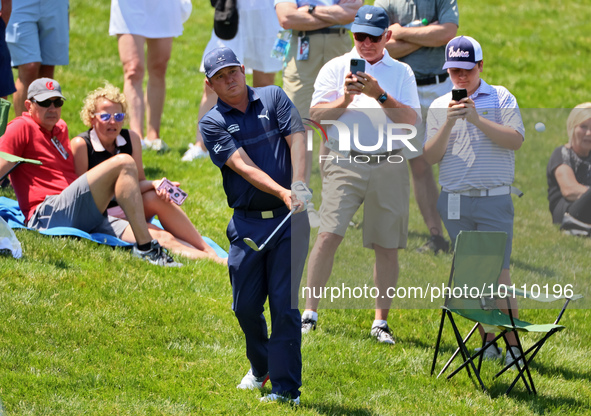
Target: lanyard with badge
[{"x": 59, "y": 147}]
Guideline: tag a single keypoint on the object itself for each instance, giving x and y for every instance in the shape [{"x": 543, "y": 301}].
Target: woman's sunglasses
[
  {"x": 119, "y": 117},
  {"x": 360, "y": 37},
  {"x": 57, "y": 103}
]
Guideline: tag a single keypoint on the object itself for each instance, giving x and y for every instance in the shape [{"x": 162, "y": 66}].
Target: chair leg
[
  {"x": 438, "y": 341},
  {"x": 478, "y": 354},
  {"x": 455, "y": 354},
  {"x": 465, "y": 355}
]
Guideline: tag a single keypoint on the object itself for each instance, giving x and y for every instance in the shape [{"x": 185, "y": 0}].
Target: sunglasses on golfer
[
  {"x": 57, "y": 103},
  {"x": 360, "y": 37},
  {"x": 119, "y": 117}
]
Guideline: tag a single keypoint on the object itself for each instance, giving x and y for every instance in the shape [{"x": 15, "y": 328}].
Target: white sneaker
[
  {"x": 194, "y": 152},
  {"x": 509, "y": 358},
  {"x": 492, "y": 352},
  {"x": 313, "y": 216},
  {"x": 308, "y": 325},
  {"x": 157, "y": 145},
  {"x": 279, "y": 398},
  {"x": 382, "y": 334},
  {"x": 250, "y": 382}
]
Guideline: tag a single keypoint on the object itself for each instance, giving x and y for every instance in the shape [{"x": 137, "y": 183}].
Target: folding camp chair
[
  {"x": 473, "y": 293},
  {"x": 17, "y": 160}
]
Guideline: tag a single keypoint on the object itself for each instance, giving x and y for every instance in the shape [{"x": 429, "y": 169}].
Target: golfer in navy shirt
[{"x": 256, "y": 137}]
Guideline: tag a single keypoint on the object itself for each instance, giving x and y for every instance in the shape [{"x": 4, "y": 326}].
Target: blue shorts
[
  {"x": 489, "y": 213},
  {"x": 38, "y": 31},
  {"x": 75, "y": 207}
]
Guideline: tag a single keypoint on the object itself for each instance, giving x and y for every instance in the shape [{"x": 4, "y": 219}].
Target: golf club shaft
[{"x": 276, "y": 229}]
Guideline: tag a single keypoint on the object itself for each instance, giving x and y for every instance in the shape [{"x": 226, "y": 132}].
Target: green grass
[{"x": 86, "y": 329}]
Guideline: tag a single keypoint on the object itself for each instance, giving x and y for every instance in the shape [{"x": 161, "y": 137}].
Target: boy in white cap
[{"x": 474, "y": 140}]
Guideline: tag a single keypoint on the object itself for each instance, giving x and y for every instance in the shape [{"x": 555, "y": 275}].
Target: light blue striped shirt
[{"x": 472, "y": 160}]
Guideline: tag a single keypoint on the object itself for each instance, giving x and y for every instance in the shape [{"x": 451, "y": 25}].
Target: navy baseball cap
[
  {"x": 371, "y": 20},
  {"x": 43, "y": 88},
  {"x": 462, "y": 52},
  {"x": 219, "y": 58}
]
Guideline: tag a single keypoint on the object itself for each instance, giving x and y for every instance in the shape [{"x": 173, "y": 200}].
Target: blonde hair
[
  {"x": 108, "y": 92},
  {"x": 578, "y": 114}
]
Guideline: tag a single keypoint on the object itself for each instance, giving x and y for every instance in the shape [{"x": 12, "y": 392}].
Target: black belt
[
  {"x": 432, "y": 80},
  {"x": 265, "y": 215},
  {"x": 373, "y": 158},
  {"x": 325, "y": 31}
]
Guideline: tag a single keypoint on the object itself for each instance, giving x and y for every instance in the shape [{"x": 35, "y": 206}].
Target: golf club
[{"x": 254, "y": 246}]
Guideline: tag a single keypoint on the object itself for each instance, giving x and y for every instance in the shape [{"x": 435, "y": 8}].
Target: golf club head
[{"x": 251, "y": 244}]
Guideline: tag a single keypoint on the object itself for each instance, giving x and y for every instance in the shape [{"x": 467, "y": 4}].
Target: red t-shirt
[{"x": 32, "y": 183}]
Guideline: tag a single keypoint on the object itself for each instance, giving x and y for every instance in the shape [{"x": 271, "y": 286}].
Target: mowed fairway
[{"x": 86, "y": 329}]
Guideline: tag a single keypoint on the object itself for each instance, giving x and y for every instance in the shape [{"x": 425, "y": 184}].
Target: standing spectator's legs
[
  {"x": 385, "y": 275},
  {"x": 37, "y": 36},
  {"x": 131, "y": 53},
  {"x": 28, "y": 73},
  {"x": 158, "y": 55},
  {"x": 320, "y": 266}
]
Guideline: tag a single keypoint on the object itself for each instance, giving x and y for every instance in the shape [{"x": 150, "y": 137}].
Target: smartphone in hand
[
  {"x": 177, "y": 195},
  {"x": 357, "y": 65},
  {"x": 458, "y": 93}
]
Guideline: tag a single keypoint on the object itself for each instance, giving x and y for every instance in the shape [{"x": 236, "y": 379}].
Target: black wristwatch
[
  {"x": 311, "y": 8},
  {"x": 382, "y": 98}
]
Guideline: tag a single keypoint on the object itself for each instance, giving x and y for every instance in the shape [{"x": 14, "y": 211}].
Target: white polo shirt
[{"x": 395, "y": 77}]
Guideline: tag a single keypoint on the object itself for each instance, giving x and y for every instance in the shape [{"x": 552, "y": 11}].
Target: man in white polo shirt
[
  {"x": 385, "y": 92},
  {"x": 474, "y": 140}
]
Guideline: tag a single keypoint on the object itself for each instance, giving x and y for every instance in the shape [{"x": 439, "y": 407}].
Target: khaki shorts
[
  {"x": 299, "y": 76},
  {"x": 383, "y": 188}
]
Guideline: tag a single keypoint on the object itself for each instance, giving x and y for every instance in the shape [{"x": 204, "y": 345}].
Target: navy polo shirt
[{"x": 261, "y": 130}]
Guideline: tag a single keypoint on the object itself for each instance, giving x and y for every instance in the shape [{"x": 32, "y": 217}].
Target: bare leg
[
  {"x": 118, "y": 176},
  {"x": 208, "y": 100},
  {"x": 385, "y": 276},
  {"x": 46, "y": 71},
  {"x": 173, "y": 244},
  {"x": 175, "y": 221},
  {"x": 157, "y": 61},
  {"x": 426, "y": 194},
  {"x": 320, "y": 265},
  {"x": 27, "y": 73},
  {"x": 131, "y": 53}
]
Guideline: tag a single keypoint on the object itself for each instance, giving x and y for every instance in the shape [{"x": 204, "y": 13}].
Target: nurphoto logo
[{"x": 366, "y": 149}]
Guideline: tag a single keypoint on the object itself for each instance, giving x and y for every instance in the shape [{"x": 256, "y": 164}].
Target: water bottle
[
  {"x": 418, "y": 23},
  {"x": 9, "y": 244},
  {"x": 281, "y": 45}
]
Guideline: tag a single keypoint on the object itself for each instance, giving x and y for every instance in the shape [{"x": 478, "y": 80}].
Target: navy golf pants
[{"x": 275, "y": 272}]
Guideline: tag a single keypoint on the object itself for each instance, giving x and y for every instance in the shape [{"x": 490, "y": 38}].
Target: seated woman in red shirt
[
  {"x": 569, "y": 175},
  {"x": 104, "y": 112}
]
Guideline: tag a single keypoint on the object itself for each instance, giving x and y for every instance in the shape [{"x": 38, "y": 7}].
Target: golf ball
[{"x": 540, "y": 127}]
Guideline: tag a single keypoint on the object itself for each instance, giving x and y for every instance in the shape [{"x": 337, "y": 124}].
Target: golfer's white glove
[{"x": 301, "y": 192}]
